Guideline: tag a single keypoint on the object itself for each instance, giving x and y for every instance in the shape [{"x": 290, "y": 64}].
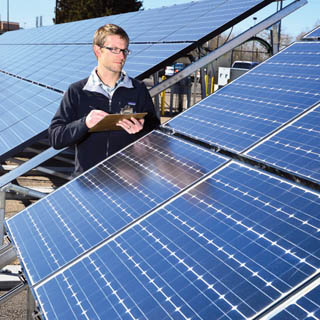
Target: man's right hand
[{"x": 94, "y": 117}]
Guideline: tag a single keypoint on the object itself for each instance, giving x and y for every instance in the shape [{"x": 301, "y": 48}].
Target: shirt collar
[{"x": 95, "y": 84}]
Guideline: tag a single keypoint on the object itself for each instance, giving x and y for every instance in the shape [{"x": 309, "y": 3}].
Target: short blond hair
[{"x": 103, "y": 32}]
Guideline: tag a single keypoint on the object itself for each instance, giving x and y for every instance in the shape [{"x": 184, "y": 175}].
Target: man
[{"x": 107, "y": 90}]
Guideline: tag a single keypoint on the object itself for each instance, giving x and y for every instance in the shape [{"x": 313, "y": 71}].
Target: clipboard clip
[{"x": 128, "y": 109}]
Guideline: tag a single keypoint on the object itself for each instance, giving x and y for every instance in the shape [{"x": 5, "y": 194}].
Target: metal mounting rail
[
  {"x": 23, "y": 190},
  {"x": 13, "y": 292},
  {"x": 7, "y": 255},
  {"x": 31, "y": 164}
]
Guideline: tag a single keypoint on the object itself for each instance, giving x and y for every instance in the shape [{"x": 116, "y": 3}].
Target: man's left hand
[{"x": 132, "y": 126}]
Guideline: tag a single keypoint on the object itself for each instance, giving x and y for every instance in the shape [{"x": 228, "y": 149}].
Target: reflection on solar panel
[
  {"x": 258, "y": 103},
  {"x": 295, "y": 149},
  {"x": 227, "y": 249},
  {"x": 313, "y": 35},
  {"x": 84, "y": 212},
  {"x": 307, "y": 307},
  {"x": 25, "y": 111}
]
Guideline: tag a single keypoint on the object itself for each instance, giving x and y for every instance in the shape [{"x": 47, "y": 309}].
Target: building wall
[{"x": 12, "y": 26}]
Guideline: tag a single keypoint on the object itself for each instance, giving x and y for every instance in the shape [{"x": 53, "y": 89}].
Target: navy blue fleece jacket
[{"x": 68, "y": 126}]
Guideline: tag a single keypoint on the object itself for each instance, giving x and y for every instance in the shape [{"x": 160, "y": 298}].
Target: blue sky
[{"x": 26, "y": 11}]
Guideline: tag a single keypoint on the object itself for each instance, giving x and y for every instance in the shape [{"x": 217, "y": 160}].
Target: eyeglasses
[{"x": 115, "y": 50}]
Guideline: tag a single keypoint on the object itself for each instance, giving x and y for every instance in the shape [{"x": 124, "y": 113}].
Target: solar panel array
[
  {"x": 224, "y": 250},
  {"x": 269, "y": 113},
  {"x": 105, "y": 200},
  {"x": 170, "y": 229},
  {"x": 55, "y": 56}
]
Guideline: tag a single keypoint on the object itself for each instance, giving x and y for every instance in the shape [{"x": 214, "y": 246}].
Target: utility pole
[
  {"x": 279, "y": 29},
  {"x": 7, "y": 15},
  {"x": 56, "y": 22},
  {"x": 253, "y": 48}
]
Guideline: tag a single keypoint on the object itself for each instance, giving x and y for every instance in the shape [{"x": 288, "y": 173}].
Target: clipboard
[{"x": 109, "y": 122}]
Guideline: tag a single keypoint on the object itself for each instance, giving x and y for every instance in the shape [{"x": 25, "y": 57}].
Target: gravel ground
[{"x": 15, "y": 308}]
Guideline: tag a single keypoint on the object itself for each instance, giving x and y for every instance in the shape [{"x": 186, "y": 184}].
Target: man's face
[{"x": 109, "y": 60}]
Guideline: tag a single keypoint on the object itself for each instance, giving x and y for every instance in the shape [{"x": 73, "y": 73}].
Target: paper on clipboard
[{"x": 109, "y": 122}]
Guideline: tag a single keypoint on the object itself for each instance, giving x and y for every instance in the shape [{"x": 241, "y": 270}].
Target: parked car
[
  {"x": 169, "y": 71},
  {"x": 244, "y": 64},
  {"x": 178, "y": 67}
]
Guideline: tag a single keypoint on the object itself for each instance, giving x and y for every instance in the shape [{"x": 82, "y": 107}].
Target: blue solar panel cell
[
  {"x": 223, "y": 250},
  {"x": 84, "y": 212},
  {"x": 256, "y": 104},
  {"x": 294, "y": 149}
]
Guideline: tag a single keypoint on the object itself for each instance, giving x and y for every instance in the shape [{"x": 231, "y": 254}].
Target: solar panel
[
  {"x": 25, "y": 110},
  {"x": 184, "y": 22},
  {"x": 257, "y": 103},
  {"x": 227, "y": 249},
  {"x": 295, "y": 149},
  {"x": 99, "y": 203},
  {"x": 189, "y": 22},
  {"x": 65, "y": 64},
  {"x": 313, "y": 35},
  {"x": 66, "y": 33},
  {"x": 306, "y": 307},
  {"x": 144, "y": 59},
  {"x": 217, "y": 12}
]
